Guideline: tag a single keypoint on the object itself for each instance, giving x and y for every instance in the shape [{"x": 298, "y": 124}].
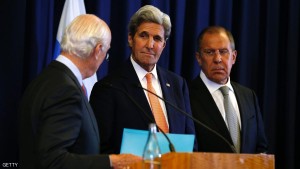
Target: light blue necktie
[{"x": 231, "y": 117}]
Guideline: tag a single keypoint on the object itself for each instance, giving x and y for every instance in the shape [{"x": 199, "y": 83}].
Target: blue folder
[{"x": 134, "y": 141}]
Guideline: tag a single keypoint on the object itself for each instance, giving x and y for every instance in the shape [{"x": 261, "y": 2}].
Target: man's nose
[
  {"x": 150, "y": 43},
  {"x": 218, "y": 56}
]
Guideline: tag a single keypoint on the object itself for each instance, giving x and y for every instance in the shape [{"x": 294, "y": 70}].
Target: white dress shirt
[{"x": 218, "y": 96}]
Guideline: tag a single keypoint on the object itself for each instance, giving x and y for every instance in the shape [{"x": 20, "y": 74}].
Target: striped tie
[
  {"x": 156, "y": 108},
  {"x": 231, "y": 117}
]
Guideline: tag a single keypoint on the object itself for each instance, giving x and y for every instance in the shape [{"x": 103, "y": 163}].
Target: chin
[{"x": 220, "y": 80}]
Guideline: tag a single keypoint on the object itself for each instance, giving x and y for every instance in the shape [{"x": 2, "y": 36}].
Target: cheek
[
  {"x": 158, "y": 48},
  {"x": 100, "y": 59},
  {"x": 204, "y": 62},
  {"x": 137, "y": 45}
]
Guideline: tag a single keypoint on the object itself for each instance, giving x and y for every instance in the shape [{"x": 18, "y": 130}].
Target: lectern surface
[{"x": 214, "y": 161}]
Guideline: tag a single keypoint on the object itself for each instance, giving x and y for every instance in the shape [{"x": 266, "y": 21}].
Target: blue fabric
[
  {"x": 56, "y": 51},
  {"x": 134, "y": 141}
]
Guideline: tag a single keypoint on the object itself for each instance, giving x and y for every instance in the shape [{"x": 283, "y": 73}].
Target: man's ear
[
  {"x": 165, "y": 43},
  {"x": 234, "y": 55},
  {"x": 198, "y": 58},
  {"x": 99, "y": 48},
  {"x": 130, "y": 40}
]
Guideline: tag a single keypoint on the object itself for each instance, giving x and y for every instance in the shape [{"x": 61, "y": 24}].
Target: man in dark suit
[
  {"x": 216, "y": 55},
  {"x": 149, "y": 29},
  {"x": 58, "y": 129}
]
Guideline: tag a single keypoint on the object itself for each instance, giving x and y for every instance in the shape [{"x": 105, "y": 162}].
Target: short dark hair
[{"x": 215, "y": 29}]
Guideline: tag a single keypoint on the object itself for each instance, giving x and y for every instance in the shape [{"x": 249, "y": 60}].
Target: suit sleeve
[{"x": 59, "y": 130}]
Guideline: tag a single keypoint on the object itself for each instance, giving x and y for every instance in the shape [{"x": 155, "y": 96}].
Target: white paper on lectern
[{"x": 134, "y": 141}]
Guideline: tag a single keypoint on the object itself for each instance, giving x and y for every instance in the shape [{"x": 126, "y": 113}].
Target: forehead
[
  {"x": 215, "y": 40},
  {"x": 151, "y": 28}
]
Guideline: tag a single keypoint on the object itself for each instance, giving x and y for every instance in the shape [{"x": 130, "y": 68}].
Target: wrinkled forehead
[
  {"x": 216, "y": 40},
  {"x": 151, "y": 28}
]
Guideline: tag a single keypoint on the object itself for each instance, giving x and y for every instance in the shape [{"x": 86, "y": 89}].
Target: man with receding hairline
[{"x": 240, "y": 121}]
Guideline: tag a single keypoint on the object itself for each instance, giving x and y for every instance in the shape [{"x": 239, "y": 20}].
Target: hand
[{"x": 122, "y": 161}]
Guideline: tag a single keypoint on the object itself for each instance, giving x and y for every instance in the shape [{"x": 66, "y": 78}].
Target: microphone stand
[{"x": 191, "y": 117}]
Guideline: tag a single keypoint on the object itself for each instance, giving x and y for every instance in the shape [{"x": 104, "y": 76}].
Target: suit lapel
[
  {"x": 245, "y": 114},
  {"x": 242, "y": 102},
  {"x": 166, "y": 87},
  {"x": 210, "y": 108},
  {"x": 130, "y": 83},
  {"x": 92, "y": 116}
]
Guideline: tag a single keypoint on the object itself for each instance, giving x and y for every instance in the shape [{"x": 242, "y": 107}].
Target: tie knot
[
  {"x": 149, "y": 77},
  {"x": 224, "y": 90}
]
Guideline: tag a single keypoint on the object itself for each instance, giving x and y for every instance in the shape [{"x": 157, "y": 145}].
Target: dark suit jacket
[
  {"x": 115, "y": 111},
  {"x": 253, "y": 139},
  {"x": 57, "y": 125}
]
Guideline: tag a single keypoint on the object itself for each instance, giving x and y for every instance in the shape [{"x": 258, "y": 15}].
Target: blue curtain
[{"x": 267, "y": 40}]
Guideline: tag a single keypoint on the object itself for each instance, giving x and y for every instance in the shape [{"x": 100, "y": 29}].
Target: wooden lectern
[{"x": 214, "y": 161}]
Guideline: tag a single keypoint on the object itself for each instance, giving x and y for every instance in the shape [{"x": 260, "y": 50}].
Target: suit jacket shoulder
[{"x": 58, "y": 127}]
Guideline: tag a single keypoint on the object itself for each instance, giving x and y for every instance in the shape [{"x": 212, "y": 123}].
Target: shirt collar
[
  {"x": 141, "y": 72},
  {"x": 212, "y": 86},
  {"x": 66, "y": 61}
]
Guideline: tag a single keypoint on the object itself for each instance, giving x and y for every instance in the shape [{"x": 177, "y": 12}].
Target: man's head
[
  {"x": 216, "y": 53},
  {"x": 86, "y": 41},
  {"x": 149, "y": 29}
]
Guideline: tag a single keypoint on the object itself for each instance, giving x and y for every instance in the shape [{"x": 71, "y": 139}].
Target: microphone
[
  {"x": 191, "y": 117},
  {"x": 171, "y": 146}
]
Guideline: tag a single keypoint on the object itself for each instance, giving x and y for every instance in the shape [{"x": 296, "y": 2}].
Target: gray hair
[
  {"x": 212, "y": 30},
  {"x": 149, "y": 13},
  {"x": 83, "y": 34}
]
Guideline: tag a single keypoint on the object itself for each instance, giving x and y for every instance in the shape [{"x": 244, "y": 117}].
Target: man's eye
[
  {"x": 223, "y": 51},
  {"x": 143, "y": 35},
  {"x": 158, "y": 39},
  {"x": 209, "y": 52}
]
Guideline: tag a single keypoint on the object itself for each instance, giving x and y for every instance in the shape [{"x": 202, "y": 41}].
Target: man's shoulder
[
  {"x": 165, "y": 72},
  {"x": 241, "y": 88},
  {"x": 196, "y": 83}
]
